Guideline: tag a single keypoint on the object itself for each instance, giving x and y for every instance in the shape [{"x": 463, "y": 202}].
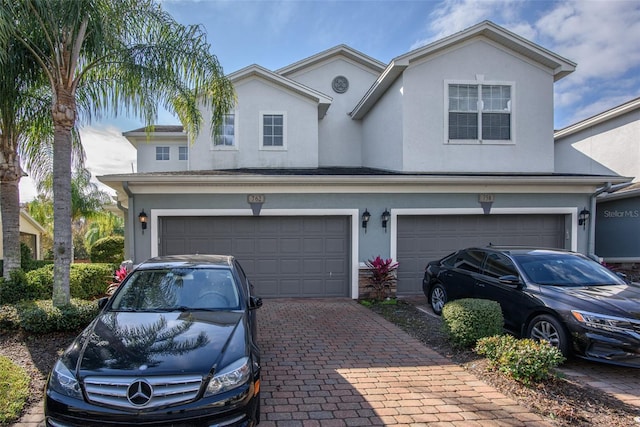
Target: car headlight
[
  {"x": 607, "y": 323},
  {"x": 64, "y": 381},
  {"x": 234, "y": 375}
]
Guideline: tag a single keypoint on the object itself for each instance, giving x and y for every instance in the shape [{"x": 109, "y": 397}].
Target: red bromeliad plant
[
  {"x": 382, "y": 276},
  {"x": 119, "y": 276}
]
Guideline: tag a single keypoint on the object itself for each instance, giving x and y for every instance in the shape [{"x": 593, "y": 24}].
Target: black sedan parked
[
  {"x": 565, "y": 298},
  {"x": 174, "y": 345}
]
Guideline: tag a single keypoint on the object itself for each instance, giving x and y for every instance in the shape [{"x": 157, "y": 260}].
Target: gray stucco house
[
  {"x": 338, "y": 158},
  {"x": 608, "y": 143}
]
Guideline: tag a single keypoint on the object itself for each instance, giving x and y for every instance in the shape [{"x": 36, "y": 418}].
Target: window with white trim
[
  {"x": 183, "y": 152},
  {"x": 162, "y": 153},
  {"x": 226, "y": 134},
  {"x": 273, "y": 130},
  {"x": 479, "y": 112}
]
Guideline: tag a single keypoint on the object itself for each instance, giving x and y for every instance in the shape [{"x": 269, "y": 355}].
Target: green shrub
[
  {"x": 9, "y": 318},
  {"x": 14, "y": 390},
  {"x": 86, "y": 281},
  {"x": 467, "y": 320},
  {"x": 108, "y": 249},
  {"x": 40, "y": 282},
  {"x": 41, "y": 316},
  {"x": 524, "y": 360},
  {"x": 14, "y": 289}
]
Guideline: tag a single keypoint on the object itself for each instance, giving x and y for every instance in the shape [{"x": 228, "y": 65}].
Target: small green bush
[
  {"x": 9, "y": 318},
  {"x": 108, "y": 249},
  {"x": 42, "y": 317},
  {"x": 14, "y": 390},
  {"x": 467, "y": 320},
  {"x": 14, "y": 289},
  {"x": 524, "y": 360},
  {"x": 40, "y": 282}
]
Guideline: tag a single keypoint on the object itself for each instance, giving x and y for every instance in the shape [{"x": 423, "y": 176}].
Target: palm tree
[
  {"x": 24, "y": 121},
  {"x": 110, "y": 55}
]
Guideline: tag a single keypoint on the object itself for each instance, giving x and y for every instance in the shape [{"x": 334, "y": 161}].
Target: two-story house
[{"x": 338, "y": 158}]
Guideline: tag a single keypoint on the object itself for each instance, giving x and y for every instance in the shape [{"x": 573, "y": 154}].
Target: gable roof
[
  {"x": 487, "y": 29},
  {"x": 612, "y": 113},
  {"x": 340, "y": 50},
  {"x": 256, "y": 71}
]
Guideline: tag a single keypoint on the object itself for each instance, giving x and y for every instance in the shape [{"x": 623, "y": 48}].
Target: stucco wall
[{"x": 611, "y": 147}]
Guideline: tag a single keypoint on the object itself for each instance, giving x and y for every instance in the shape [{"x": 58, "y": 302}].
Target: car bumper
[
  {"x": 235, "y": 408},
  {"x": 618, "y": 349}
]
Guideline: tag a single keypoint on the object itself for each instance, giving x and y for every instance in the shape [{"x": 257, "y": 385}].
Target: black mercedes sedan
[
  {"x": 566, "y": 298},
  {"x": 175, "y": 345}
]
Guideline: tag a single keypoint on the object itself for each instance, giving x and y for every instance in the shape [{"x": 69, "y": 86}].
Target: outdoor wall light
[
  {"x": 583, "y": 217},
  {"x": 142, "y": 217},
  {"x": 366, "y": 216},
  {"x": 386, "y": 216}
]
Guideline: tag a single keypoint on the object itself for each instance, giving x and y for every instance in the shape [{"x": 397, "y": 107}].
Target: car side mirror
[
  {"x": 102, "y": 302},
  {"x": 255, "y": 303},
  {"x": 511, "y": 280}
]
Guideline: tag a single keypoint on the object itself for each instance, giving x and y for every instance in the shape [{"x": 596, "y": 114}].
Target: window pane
[
  {"x": 498, "y": 265},
  {"x": 470, "y": 261},
  {"x": 463, "y": 98},
  {"x": 162, "y": 153},
  {"x": 496, "y": 126},
  {"x": 273, "y": 130},
  {"x": 183, "y": 153},
  {"x": 463, "y": 126},
  {"x": 496, "y": 98},
  {"x": 226, "y": 132}
]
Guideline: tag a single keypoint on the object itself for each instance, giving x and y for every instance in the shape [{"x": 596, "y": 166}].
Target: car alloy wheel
[
  {"x": 547, "y": 328},
  {"x": 438, "y": 298}
]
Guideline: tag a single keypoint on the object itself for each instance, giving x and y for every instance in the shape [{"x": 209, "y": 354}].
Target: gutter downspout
[
  {"x": 591, "y": 238},
  {"x": 130, "y": 223}
]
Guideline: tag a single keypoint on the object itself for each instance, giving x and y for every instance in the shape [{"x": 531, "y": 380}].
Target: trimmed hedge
[
  {"x": 41, "y": 316},
  {"x": 524, "y": 360},
  {"x": 108, "y": 250},
  {"x": 467, "y": 320},
  {"x": 86, "y": 281}
]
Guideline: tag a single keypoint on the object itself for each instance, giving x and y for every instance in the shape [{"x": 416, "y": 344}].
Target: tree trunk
[
  {"x": 64, "y": 113},
  {"x": 10, "y": 174}
]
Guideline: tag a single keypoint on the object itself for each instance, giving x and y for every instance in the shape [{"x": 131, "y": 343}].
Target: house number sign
[
  {"x": 256, "y": 198},
  {"x": 486, "y": 198}
]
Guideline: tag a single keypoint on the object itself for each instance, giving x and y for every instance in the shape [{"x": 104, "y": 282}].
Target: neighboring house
[
  {"x": 608, "y": 143},
  {"x": 338, "y": 158},
  {"x": 30, "y": 234}
]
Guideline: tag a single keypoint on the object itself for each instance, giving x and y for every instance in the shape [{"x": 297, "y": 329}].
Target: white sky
[{"x": 601, "y": 36}]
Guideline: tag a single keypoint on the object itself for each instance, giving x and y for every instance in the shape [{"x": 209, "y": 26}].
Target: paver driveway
[{"x": 332, "y": 362}]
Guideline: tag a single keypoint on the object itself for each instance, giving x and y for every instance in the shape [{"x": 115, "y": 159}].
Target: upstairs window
[
  {"x": 479, "y": 112},
  {"x": 162, "y": 153},
  {"x": 226, "y": 134},
  {"x": 183, "y": 153},
  {"x": 273, "y": 130}
]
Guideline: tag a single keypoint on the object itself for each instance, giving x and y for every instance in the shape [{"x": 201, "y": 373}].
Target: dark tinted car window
[
  {"x": 499, "y": 265},
  {"x": 469, "y": 260},
  {"x": 179, "y": 288},
  {"x": 565, "y": 270}
]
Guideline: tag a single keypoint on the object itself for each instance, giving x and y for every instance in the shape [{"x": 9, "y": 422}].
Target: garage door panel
[
  {"x": 426, "y": 238},
  {"x": 283, "y": 256}
]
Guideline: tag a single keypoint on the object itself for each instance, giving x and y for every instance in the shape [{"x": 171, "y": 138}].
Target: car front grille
[{"x": 142, "y": 392}]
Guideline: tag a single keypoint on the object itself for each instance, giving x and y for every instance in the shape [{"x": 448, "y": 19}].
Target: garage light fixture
[
  {"x": 583, "y": 217},
  {"x": 142, "y": 217},
  {"x": 366, "y": 216},
  {"x": 386, "y": 216}
]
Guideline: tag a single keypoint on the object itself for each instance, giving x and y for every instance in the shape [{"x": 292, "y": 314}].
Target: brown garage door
[
  {"x": 426, "y": 238},
  {"x": 283, "y": 256}
]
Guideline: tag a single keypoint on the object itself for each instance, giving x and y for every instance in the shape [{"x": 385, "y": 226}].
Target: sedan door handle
[{"x": 482, "y": 285}]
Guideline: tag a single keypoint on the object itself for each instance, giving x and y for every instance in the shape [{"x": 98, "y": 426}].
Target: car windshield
[
  {"x": 177, "y": 289},
  {"x": 565, "y": 270}
]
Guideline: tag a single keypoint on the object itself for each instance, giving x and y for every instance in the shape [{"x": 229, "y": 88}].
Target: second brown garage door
[{"x": 283, "y": 256}]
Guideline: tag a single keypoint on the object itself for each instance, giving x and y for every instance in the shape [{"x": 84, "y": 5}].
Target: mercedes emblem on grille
[{"x": 139, "y": 393}]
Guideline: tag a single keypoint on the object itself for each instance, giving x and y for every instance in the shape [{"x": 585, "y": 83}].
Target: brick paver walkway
[{"x": 333, "y": 363}]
